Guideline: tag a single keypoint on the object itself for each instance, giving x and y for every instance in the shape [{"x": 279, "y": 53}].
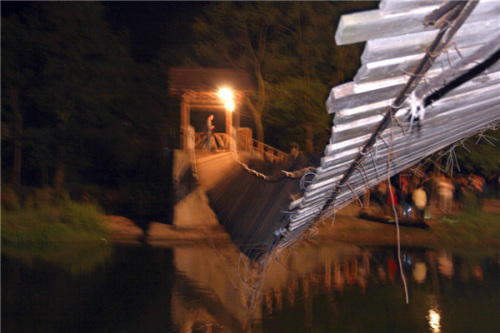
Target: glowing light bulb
[
  {"x": 226, "y": 94},
  {"x": 229, "y": 105}
]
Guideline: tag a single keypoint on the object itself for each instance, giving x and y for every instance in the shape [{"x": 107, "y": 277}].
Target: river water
[{"x": 211, "y": 288}]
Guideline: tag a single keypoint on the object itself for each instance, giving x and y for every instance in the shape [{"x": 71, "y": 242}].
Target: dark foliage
[{"x": 78, "y": 112}]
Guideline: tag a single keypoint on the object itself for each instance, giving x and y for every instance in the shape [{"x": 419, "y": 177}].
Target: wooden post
[
  {"x": 185, "y": 120},
  {"x": 229, "y": 126},
  {"x": 236, "y": 114},
  {"x": 366, "y": 199},
  {"x": 229, "y": 121}
]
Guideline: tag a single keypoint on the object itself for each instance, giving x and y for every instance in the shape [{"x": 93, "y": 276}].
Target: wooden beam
[{"x": 185, "y": 120}]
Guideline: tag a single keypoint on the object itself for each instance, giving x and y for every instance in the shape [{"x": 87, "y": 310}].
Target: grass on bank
[
  {"x": 45, "y": 220},
  {"x": 471, "y": 228},
  {"x": 49, "y": 226}
]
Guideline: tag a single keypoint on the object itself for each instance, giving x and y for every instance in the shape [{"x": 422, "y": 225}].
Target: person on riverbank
[
  {"x": 445, "y": 190},
  {"x": 380, "y": 194},
  {"x": 460, "y": 184},
  {"x": 392, "y": 198},
  {"x": 420, "y": 201},
  {"x": 477, "y": 184},
  {"x": 405, "y": 200}
]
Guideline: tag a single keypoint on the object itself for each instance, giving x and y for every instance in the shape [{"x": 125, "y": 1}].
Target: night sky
[{"x": 152, "y": 25}]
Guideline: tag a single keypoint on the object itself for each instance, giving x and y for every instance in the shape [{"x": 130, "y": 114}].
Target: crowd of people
[{"x": 436, "y": 193}]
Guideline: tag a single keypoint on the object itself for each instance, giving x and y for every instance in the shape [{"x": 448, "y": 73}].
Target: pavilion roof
[{"x": 210, "y": 79}]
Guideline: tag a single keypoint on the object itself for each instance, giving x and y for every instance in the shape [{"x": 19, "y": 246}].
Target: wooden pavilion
[{"x": 198, "y": 88}]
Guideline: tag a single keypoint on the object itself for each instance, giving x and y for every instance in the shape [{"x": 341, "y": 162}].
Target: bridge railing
[
  {"x": 220, "y": 141},
  {"x": 268, "y": 152}
]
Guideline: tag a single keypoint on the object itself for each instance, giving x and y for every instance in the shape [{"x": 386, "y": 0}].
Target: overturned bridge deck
[
  {"x": 429, "y": 79},
  {"x": 250, "y": 207}
]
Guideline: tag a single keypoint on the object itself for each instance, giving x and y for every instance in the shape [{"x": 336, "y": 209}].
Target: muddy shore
[{"x": 347, "y": 229}]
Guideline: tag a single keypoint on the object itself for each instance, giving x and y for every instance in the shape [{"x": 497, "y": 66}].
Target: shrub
[
  {"x": 471, "y": 202},
  {"x": 63, "y": 220}
]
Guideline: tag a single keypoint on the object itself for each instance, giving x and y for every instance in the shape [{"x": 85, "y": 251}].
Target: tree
[
  {"x": 17, "y": 75},
  {"x": 480, "y": 155},
  {"x": 303, "y": 83},
  {"x": 240, "y": 35},
  {"x": 70, "y": 73},
  {"x": 291, "y": 51},
  {"x": 314, "y": 64}
]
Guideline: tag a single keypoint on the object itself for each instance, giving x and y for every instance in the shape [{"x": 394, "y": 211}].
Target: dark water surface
[{"x": 208, "y": 288}]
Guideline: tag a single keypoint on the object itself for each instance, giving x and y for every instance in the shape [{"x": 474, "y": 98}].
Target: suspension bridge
[{"x": 429, "y": 79}]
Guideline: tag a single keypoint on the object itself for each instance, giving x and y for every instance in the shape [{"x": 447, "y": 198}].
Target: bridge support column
[
  {"x": 229, "y": 121},
  {"x": 185, "y": 120}
]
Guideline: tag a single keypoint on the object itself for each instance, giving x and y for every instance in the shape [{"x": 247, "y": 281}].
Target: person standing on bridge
[{"x": 208, "y": 132}]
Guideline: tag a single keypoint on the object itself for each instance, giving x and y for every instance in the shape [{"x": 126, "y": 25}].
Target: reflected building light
[
  {"x": 419, "y": 272},
  {"x": 382, "y": 275},
  {"x": 445, "y": 264},
  {"x": 478, "y": 273},
  {"x": 434, "y": 321}
]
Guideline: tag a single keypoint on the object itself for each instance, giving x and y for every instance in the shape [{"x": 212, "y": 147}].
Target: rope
[
  {"x": 278, "y": 176},
  {"x": 398, "y": 234},
  {"x": 302, "y": 180}
]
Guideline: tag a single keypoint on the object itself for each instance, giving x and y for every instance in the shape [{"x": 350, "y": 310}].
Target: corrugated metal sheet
[{"x": 397, "y": 41}]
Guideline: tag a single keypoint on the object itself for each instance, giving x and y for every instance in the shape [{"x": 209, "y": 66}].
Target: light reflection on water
[
  {"x": 434, "y": 319},
  {"x": 434, "y": 316},
  {"x": 207, "y": 288}
]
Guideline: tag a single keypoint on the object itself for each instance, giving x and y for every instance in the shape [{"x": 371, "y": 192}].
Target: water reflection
[
  {"x": 212, "y": 288},
  {"x": 434, "y": 316},
  {"x": 209, "y": 291},
  {"x": 238, "y": 299},
  {"x": 434, "y": 319},
  {"x": 445, "y": 264},
  {"x": 419, "y": 272},
  {"x": 76, "y": 258}
]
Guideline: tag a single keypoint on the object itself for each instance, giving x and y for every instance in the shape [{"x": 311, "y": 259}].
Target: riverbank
[
  {"x": 344, "y": 229},
  {"x": 50, "y": 222},
  {"x": 125, "y": 231},
  {"x": 350, "y": 229},
  {"x": 483, "y": 234}
]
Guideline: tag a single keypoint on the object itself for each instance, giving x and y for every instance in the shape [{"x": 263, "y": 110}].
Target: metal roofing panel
[
  {"x": 363, "y": 26},
  {"x": 396, "y": 41},
  {"x": 401, "y": 45}
]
